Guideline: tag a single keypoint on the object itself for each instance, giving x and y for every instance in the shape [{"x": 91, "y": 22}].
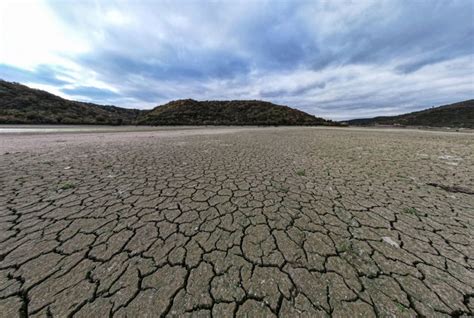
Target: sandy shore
[{"x": 236, "y": 221}]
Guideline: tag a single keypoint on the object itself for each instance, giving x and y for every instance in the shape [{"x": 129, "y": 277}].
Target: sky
[{"x": 334, "y": 59}]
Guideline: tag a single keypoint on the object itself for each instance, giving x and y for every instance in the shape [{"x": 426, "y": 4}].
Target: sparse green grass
[
  {"x": 301, "y": 172},
  {"x": 345, "y": 247},
  {"x": 401, "y": 307},
  {"x": 412, "y": 211},
  {"x": 284, "y": 189},
  {"x": 280, "y": 187},
  {"x": 67, "y": 185}
]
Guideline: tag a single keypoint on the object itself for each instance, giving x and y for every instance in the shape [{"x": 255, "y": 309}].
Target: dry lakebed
[{"x": 236, "y": 221}]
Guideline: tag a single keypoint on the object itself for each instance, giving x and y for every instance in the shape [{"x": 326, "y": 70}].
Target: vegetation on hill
[
  {"x": 236, "y": 112},
  {"x": 20, "y": 104},
  {"x": 458, "y": 115}
]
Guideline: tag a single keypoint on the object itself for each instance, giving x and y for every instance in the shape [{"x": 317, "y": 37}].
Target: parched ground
[{"x": 237, "y": 222}]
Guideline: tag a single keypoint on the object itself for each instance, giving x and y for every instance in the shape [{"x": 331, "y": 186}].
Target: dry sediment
[{"x": 258, "y": 222}]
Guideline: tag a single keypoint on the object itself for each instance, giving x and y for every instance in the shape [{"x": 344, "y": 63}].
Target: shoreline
[{"x": 27, "y": 129}]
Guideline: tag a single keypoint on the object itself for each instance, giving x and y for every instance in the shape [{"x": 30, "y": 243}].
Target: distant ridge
[
  {"x": 20, "y": 104},
  {"x": 235, "y": 112},
  {"x": 457, "y": 115}
]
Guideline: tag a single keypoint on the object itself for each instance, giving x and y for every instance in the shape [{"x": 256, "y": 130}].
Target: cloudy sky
[{"x": 336, "y": 59}]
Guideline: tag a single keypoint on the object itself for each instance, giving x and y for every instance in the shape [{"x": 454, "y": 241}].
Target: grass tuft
[
  {"x": 281, "y": 188},
  {"x": 345, "y": 247},
  {"x": 401, "y": 307},
  {"x": 301, "y": 172},
  {"x": 67, "y": 185},
  {"x": 412, "y": 211}
]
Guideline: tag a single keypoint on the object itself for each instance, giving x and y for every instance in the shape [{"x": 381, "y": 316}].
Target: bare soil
[{"x": 255, "y": 222}]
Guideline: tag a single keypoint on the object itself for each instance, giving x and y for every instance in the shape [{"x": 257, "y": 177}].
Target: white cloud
[
  {"x": 117, "y": 17},
  {"x": 30, "y": 34},
  {"x": 335, "y": 59}
]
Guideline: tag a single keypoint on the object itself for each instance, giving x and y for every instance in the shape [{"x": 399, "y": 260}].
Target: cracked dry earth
[{"x": 250, "y": 222}]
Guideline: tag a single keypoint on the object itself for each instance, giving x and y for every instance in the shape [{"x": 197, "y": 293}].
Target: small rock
[
  {"x": 67, "y": 168},
  {"x": 389, "y": 240}
]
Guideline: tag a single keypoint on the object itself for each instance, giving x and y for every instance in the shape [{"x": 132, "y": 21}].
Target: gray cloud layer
[{"x": 339, "y": 59}]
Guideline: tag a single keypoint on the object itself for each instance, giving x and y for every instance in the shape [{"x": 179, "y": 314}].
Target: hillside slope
[
  {"x": 236, "y": 112},
  {"x": 20, "y": 104},
  {"x": 458, "y": 115}
]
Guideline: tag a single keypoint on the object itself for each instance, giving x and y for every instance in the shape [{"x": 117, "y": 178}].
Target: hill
[
  {"x": 20, "y": 104},
  {"x": 458, "y": 115},
  {"x": 235, "y": 112}
]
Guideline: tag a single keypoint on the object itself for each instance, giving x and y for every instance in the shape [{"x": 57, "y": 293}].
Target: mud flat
[{"x": 255, "y": 222}]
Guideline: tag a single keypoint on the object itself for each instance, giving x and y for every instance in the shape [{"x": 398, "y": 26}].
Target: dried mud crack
[
  {"x": 250, "y": 223},
  {"x": 454, "y": 189}
]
